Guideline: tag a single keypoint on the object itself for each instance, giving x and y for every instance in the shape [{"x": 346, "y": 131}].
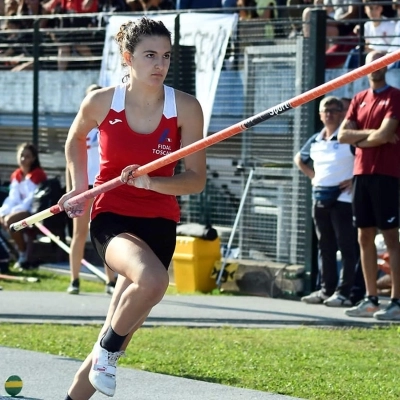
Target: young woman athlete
[{"x": 133, "y": 227}]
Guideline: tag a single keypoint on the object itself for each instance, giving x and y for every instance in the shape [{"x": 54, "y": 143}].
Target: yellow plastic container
[{"x": 193, "y": 262}]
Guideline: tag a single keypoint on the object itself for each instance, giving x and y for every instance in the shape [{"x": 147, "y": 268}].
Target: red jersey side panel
[
  {"x": 120, "y": 146},
  {"x": 368, "y": 109}
]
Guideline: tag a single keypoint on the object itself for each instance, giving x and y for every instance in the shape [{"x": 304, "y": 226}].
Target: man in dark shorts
[{"x": 372, "y": 126}]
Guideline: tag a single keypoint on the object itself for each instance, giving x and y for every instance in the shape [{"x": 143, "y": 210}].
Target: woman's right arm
[{"x": 90, "y": 114}]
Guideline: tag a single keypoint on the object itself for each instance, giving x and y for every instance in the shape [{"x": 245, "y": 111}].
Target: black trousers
[{"x": 335, "y": 231}]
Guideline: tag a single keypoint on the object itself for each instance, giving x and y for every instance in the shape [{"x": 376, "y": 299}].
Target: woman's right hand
[{"x": 73, "y": 209}]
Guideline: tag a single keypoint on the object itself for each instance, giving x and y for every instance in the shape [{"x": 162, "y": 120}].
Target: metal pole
[
  {"x": 36, "y": 66},
  {"x": 315, "y": 77},
  {"x": 237, "y": 219},
  {"x": 176, "y": 50}
]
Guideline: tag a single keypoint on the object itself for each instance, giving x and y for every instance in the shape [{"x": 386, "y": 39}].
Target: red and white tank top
[{"x": 120, "y": 146}]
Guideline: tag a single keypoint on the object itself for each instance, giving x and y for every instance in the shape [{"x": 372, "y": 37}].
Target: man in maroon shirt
[{"x": 372, "y": 126}]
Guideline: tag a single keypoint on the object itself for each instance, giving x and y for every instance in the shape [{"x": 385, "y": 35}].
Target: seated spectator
[
  {"x": 341, "y": 21},
  {"x": 295, "y": 10},
  {"x": 67, "y": 37},
  {"x": 18, "y": 205},
  {"x": 378, "y": 31},
  {"x": 266, "y": 10},
  {"x": 197, "y": 4},
  {"x": 111, "y": 6},
  {"x": 230, "y": 5},
  {"x": 331, "y": 30},
  {"x": 156, "y": 5},
  {"x": 247, "y": 9},
  {"x": 135, "y": 5},
  {"x": 395, "y": 43}
]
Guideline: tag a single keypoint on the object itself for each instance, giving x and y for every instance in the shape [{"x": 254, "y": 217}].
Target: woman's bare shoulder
[
  {"x": 186, "y": 103},
  {"x": 98, "y": 103}
]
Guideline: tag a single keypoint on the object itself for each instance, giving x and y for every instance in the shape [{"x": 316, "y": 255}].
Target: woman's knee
[{"x": 153, "y": 285}]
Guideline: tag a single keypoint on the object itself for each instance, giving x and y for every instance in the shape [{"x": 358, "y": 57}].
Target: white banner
[{"x": 208, "y": 32}]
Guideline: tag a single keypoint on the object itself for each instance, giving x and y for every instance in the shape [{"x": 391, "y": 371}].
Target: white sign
[{"x": 209, "y": 33}]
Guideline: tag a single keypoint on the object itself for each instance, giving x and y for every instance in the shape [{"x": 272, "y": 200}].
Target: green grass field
[
  {"x": 309, "y": 363},
  {"x": 320, "y": 364}
]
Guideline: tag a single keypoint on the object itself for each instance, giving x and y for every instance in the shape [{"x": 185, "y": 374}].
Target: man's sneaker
[
  {"x": 110, "y": 286},
  {"x": 337, "y": 300},
  {"x": 365, "y": 308},
  {"x": 390, "y": 313},
  {"x": 103, "y": 370},
  {"x": 317, "y": 297},
  {"x": 73, "y": 287}
]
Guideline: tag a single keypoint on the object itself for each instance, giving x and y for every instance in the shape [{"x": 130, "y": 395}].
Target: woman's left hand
[
  {"x": 75, "y": 209},
  {"x": 141, "y": 182}
]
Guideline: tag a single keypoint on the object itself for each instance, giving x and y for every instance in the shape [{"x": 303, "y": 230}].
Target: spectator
[
  {"x": 372, "y": 125},
  {"x": 378, "y": 31},
  {"x": 331, "y": 30},
  {"x": 395, "y": 44},
  {"x": 115, "y": 6},
  {"x": 247, "y": 9},
  {"x": 230, "y": 5},
  {"x": 135, "y": 5},
  {"x": 341, "y": 21},
  {"x": 156, "y": 5},
  {"x": 18, "y": 205},
  {"x": 72, "y": 35},
  {"x": 295, "y": 10},
  {"x": 266, "y": 10},
  {"x": 197, "y": 4},
  {"x": 331, "y": 176},
  {"x": 81, "y": 225}
]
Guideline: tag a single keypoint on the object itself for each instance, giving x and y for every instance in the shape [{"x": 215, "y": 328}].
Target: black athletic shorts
[
  {"x": 158, "y": 233},
  {"x": 376, "y": 201}
]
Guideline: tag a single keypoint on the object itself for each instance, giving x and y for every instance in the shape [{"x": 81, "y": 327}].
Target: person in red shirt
[
  {"x": 372, "y": 125},
  {"x": 72, "y": 8},
  {"x": 18, "y": 205},
  {"x": 133, "y": 226}
]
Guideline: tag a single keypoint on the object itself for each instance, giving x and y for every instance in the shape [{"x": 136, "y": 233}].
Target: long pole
[{"x": 221, "y": 135}]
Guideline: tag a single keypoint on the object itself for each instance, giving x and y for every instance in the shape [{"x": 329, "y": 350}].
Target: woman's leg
[
  {"x": 81, "y": 388},
  {"x": 79, "y": 234},
  {"x": 131, "y": 257},
  {"x": 17, "y": 236},
  {"x": 78, "y": 242}
]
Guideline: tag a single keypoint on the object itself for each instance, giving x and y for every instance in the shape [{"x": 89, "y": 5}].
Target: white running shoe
[
  {"x": 337, "y": 300},
  {"x": 103, "y": 370},
  {"x": 365, "y": 308},
  {"x": 390, "y": 313},
  {"x": 317, "y": 297}
]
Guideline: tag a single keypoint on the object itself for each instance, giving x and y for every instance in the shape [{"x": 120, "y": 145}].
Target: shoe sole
[
  {"x": 338, "y": 305},
  {"x": 384, "y": 318},
  {"x": 98, "y": 389},
  {"x": 360, "y": 316}
]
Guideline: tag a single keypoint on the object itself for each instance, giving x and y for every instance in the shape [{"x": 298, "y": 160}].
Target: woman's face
[
  {"x": 151, "y": 60},
  {"x": 25, "y": 159}
]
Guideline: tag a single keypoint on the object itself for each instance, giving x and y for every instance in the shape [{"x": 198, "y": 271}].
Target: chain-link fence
[{"x": 266, "y": 62}]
